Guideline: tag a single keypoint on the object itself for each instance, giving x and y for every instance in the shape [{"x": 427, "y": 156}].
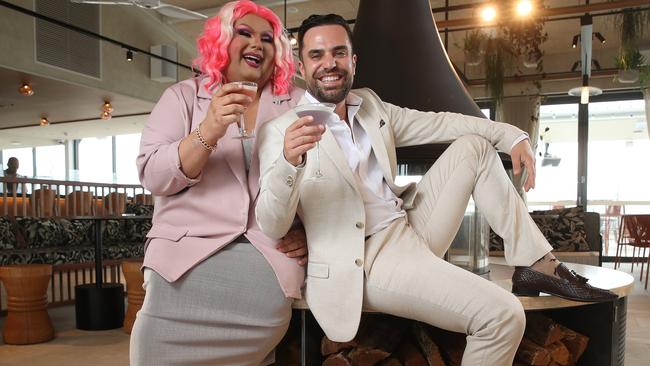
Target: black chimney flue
[{"x": 401, "y": 57}]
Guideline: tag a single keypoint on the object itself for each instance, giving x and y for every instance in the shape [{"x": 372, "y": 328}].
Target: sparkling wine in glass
[
  {"x": 250, "y": 89},
  {"x": 320, "y": 112}
]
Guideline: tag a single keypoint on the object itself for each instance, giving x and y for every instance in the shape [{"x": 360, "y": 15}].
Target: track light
[
  {"x": 576, "y": 38},
  {"x": 129, "y": 55},
  {"x": 600, "y": 37},
  {"x": 293, "y": 40},
  {"x": 44, "y": 121},
  {"x": 26, "y": 90}
]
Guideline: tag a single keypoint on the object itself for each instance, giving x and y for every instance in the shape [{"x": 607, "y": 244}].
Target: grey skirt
[{"x": 228, "y": 310}]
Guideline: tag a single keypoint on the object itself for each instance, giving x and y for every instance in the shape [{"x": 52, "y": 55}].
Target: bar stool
[
  {"x": 27, "y": 319},
  {"x": 134, "y": 291}
]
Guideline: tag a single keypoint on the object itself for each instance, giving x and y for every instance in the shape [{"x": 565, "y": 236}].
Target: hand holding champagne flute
[{"x": 248, "y": 88}]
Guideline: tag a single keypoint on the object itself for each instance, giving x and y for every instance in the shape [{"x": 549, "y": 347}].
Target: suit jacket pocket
[
  {"x": 168, "y": 232},
  {"x": 318, "y": 270}
]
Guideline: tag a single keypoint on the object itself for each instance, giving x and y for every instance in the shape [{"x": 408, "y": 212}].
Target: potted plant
[
  {"x": 472, "y": 47},
  {"x": 629, "y": 61},
  {"x": 526, "y": 38},
  {"x": 629, "y": 66}
]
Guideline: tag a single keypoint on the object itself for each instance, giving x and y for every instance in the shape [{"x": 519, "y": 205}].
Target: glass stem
[{"x": 318, "y": 172}]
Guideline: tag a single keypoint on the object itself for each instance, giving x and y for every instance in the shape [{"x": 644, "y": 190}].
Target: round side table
[{"x": 27, "y": 319}]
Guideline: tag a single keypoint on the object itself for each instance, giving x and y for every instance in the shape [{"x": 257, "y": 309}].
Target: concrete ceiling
[{"x": 69, "y": 102}]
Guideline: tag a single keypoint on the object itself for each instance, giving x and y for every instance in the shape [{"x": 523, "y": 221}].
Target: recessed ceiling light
[
  {"x": 524, "y": 8},
  {"x": 488, "y": 13},
  {"x": 15, "y": 143}
]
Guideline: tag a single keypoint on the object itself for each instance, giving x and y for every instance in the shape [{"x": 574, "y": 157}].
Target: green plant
[
  {"x": 630, "y": 60},
  {"x": 632, "y": 24},
  {"x": 498, "y": 58},
  {"x": 526, "y": 38},
  {"x": 473, "y": 41}
]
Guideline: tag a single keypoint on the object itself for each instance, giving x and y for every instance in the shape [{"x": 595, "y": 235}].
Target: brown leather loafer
[{"x": 570, "y": 285}]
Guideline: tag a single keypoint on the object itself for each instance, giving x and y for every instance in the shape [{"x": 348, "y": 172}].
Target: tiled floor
[{"x": 73, "y": 347}]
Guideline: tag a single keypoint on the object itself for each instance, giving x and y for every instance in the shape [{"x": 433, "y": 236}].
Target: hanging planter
[
  {"x": 629, "y": 62},
  {"x": 532, "y": 61},
  {"x": 627, "y": 76},
  {"x": 472, "y": 58},
  {"x": 472, "y": 47}
]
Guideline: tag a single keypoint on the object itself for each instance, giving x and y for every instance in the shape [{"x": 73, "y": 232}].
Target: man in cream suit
[{"x": 376, "y": 245}]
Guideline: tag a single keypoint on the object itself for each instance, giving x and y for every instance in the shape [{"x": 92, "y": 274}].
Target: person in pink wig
[{"x": 218, "y": 290}]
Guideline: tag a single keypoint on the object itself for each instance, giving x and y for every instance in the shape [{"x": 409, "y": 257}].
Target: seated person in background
[
  {"x": 376, "y": 245},
  {"x": 12, "y": 172}
]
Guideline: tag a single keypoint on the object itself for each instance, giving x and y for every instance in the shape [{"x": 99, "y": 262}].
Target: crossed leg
[
  {"x": 471, "y": 167},
  {"x": 406, "y": 279},
  {"x": 405, "y": 275}
]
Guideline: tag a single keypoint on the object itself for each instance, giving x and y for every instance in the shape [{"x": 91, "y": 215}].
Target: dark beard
[{"x": 333, "y": 95}]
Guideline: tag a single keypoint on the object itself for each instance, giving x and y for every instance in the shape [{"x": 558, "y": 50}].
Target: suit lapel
[
  {"x": 372, "y": 128},
  {"x": 331, "y": 148}
]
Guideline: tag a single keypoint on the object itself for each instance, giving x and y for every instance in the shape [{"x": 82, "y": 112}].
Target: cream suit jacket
[{"x": 332, "y": 210}]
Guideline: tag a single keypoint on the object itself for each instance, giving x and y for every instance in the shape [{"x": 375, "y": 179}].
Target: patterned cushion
[
  {"x": 139, "y": 209},
  {"x": 78, "y": 232},
  {"x": 47, "y": 256},
  {"x": 41, "y": 233},
  {"x": 7, "y": 235},
  {"x": 114, "y": 232},
  {"x": 563, "y": 228},
  {"x": 136, "y": 230}
]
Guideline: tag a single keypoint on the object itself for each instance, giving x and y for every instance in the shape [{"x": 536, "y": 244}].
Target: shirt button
[
  {"x": 289, "y": 181},
  {"x": 359, "y": 225},
  {"x": 358, "y": 262}
]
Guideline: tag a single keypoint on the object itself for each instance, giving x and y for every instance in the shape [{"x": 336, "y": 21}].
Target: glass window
[
  {"x": 126, "y": 150},
  {"x": 50, "y": 162},
  {"x": 25, "y": 160},
  {"x": 557, "y": 160},
  {"x": 96, "y": 160},
  {"x": 618, "y": 149}
]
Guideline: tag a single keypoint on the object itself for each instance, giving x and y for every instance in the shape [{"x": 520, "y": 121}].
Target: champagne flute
[
  {"x": 250, "y": 89},
  {"x": 320, "y": 112}
]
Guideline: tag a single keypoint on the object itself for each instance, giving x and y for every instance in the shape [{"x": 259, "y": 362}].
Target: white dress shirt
[{"x": 382, "y": 206}]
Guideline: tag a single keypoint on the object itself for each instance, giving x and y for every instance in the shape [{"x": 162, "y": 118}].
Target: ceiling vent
[{"x": 65, "y": 48}]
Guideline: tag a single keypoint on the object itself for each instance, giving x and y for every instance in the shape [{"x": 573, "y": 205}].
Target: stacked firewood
[
  {"x": 389, "y": 341},
  {"x": 549, "y": 343}
]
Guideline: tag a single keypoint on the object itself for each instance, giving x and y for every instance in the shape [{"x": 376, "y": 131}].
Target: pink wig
[{"x": 218, "y": 32}]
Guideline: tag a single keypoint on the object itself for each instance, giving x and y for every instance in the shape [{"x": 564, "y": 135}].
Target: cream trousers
[{"x": 405, "y": 275}]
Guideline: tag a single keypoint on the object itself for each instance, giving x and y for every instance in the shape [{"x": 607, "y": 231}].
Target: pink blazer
[{"x": 194, "y": 218}]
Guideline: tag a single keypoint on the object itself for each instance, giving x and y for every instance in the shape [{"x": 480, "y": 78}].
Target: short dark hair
[{"x": 316, "y": 20}]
